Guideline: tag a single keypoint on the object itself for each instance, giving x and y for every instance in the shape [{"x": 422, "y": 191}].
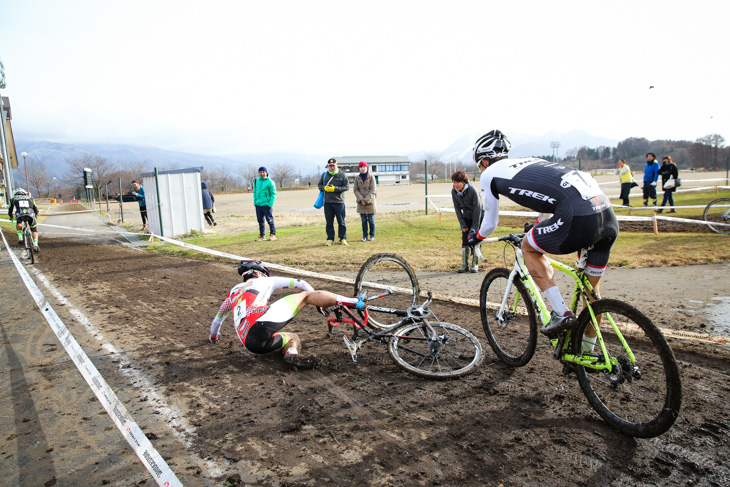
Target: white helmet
[
  {"x": 491, "y": 145},
  {"x": 21, "y": 192}
]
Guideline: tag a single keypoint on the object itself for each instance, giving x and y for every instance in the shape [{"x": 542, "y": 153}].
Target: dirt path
[{"x": 248, "y": 417}]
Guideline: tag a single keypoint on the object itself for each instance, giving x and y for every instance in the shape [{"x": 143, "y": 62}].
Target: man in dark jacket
[
  {"x": 334, "y": 184},
  {"x": 208, "y": 204}
]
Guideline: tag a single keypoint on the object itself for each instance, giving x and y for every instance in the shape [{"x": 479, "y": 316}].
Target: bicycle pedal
[
  {"x": 568, "y": 368},
  {"x": 352, "y": 347}
]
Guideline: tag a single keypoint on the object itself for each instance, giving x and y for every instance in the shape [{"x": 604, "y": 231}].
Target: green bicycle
[{"x": 631, "y": 378}]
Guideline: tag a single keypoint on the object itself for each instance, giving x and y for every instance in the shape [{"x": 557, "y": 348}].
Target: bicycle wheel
[
  {"x": 28, "y": 239},
  {"x": 383, "y": 271},
  {"x": 718, "y": 211},
  {"x": 456, "y": 352},
  {"x": 514, "y": 337},
  {"x": 641, "y": 399}
]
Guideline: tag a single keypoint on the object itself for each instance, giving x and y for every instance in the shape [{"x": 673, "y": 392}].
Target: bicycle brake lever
[{"x": 478, "y": 253}]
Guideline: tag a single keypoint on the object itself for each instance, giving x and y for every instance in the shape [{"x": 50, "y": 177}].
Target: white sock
[
  {"x": 556, "y": 300},
  {"x": 291, "y": 351},
  {"x": 589, "y": 343}
]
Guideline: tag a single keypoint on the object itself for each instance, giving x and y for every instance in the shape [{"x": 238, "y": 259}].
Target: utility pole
[{"x": 555, "y": 146}]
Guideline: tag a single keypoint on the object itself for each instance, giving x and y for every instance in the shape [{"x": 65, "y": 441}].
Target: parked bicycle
[
  {"x": 718, "y": 211},
  {"x": 631, "y": 378},
  {"x": 417, "y": 340}
]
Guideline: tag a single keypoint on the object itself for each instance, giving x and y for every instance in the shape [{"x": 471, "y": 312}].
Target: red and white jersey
[{"x": 250, "y": 300}]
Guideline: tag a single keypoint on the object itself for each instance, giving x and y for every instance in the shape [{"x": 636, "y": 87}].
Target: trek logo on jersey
[
  {"x": 550, "y": 228},
  {"x": 532, "y": 194}
]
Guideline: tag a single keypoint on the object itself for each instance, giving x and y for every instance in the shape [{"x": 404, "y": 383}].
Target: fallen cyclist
[
  {"x": 258, "y": 323},
  {"x": 581, "y": 218}
]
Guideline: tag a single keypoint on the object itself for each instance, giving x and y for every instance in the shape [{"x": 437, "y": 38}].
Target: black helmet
[
  {"x": 249, "y": 269},
  {"x": 491, "y": 145}
]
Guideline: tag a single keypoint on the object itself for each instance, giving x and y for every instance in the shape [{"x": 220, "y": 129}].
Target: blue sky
[{"x": 377, "y": 77}]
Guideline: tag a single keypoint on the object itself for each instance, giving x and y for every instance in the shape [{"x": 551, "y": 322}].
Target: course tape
[{"x": 139, "y": 442}]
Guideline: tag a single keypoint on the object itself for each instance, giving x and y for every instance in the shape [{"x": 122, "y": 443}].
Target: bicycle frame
[
  {"x": 386, "y": 333},
  {"x": 583, "y": 289}
]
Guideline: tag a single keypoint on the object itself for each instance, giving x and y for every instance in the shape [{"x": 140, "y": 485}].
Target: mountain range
[{"x": 55, "y": 154}]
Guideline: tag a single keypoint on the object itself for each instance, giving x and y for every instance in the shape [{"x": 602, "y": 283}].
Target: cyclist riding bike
[
  {"x": 23, "y": 208},
  {"x": 582, "y": 218},
  {"x": 258, "y": 323}
]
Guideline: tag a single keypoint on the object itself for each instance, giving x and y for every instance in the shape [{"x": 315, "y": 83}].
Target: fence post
[
  {"x": 425, "y": 170},
  {"x": 121, "y": 201}
]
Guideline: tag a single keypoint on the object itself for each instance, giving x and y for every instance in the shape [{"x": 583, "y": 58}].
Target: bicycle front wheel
[
  {"x": 718, "y": 211},
  {"x": 452, "y": 352},
  {"x": 383, "y": 271},
  {"x": 640, "y": 398},
  {"x": 513, "y": 335}
]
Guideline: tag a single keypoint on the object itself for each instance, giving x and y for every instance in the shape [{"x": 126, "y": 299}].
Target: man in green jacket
[{"x": 264, "y": 195}]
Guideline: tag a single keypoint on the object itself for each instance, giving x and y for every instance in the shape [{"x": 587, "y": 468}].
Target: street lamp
[
  {"x": 54, "y": 187},
  {"x": 27, "y": 184}
]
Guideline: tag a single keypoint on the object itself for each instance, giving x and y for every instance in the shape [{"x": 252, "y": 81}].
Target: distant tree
[
  {"x": 248, "y": 173},
  {"x": 435, "y": 166},
  {"x": 100, "y": 167},
  {"x": 217, "y": 177},
  {"x": 283, "y": 172},
  {"x": 38, "y": 178},
  {"x": 632, "y": 147}
]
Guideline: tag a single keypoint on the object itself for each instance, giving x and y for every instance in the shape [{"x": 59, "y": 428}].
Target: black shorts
[
  {"x": 28, "y": 218},
  {"x": 560, "y": 235}
]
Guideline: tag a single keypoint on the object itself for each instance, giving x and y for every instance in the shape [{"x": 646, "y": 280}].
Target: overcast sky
[{"x": 375, "y": 77}]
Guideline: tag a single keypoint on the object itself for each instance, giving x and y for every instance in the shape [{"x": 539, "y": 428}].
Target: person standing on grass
[
  {"x": 138, "y": 194},
  {"x": 334, "y": 184},
  {"x": 468, "y": 208},
  {"x": 667, "y": 171},
  {"x": 208, "y": 204},
  {"x": 651, "y": 174},
  {"x": 264, "y": 195},
  {"x": 626, "y": 179},
  {"x": 365, "y": 189}
]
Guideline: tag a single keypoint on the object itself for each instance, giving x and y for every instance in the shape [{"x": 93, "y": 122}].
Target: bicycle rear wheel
[
  {"x": 513, "y": 337},
  {"x": 382, "y": 271},
  {"x": 718, "y": 211},
  {"x": 28, "y": 239},
  {"x": 454, "y": 353},
  {"x": 640, "y": 399}
]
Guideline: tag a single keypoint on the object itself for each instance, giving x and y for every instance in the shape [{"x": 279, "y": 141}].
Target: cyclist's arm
[
  {"x": 491, "y": 209},
  {"x": 220, "y": 317}
]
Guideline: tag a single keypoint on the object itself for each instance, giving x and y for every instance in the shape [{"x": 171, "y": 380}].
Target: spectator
[
  {"x": 468, "y": 208},
  {"x": 334, "y": 184},
  {"x": 264, "y": 195},
  {"x": 138, "y": 194},
  {"x": 627, "y": 180},
  {"x": 208, "y": 204},
  {"x": 365, "y": 190},
  {"x": 651, "y": 174},
  {"x": 667, "y": 171}
]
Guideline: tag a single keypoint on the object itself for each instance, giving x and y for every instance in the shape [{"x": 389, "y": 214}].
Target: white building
[{"x": 386, "y": 169}]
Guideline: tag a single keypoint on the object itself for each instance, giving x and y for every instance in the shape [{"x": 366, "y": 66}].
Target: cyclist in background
[
  {"x": 582, "y": 217},
  {"x": 23, "y": 208},
  {"x": 258, "y": 323}
]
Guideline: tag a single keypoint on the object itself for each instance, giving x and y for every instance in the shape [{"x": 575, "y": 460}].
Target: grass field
[{"x": 430, "y": 243}]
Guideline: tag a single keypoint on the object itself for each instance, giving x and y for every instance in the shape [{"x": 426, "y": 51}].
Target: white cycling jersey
[{"x": 542, "y": 186}]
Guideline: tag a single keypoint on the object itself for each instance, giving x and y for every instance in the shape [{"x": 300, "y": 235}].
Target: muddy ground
[{"x": 249, "y": 420}]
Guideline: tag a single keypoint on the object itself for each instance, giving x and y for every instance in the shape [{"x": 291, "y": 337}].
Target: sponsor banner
[{"x": 139, "y": 442}]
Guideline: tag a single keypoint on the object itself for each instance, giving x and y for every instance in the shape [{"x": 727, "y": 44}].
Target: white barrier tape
[{"x": 139, "y": 442}]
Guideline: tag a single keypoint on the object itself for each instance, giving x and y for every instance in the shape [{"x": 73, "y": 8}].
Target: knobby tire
[
  {"x": 387, "y": 270},
  {"x": 714, "y": 213},
  {"x": 642, "y": 407},
  {"x": 514, "y": 339},
  {"x": 460, "y": 355}
]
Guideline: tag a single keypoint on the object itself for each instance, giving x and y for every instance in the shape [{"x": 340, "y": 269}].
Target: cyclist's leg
[{"x": 547, "y": 237}]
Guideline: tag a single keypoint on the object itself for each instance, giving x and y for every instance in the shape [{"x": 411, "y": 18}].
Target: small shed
[{"x": 180, "y": 201}]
